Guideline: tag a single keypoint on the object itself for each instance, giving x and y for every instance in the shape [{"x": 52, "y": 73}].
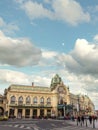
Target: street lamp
[
  {"x": 78, "y": 109},
  {"x": 72, "y": 108},
  {"x": 78, "y": 105}
]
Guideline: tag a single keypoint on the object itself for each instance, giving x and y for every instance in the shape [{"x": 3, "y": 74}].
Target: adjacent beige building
[{"x": 35, "y": 101}]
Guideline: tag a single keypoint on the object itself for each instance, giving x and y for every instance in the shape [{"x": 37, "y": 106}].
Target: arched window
[
  {"x": 48, "y": 101},
  {"x": 35, "y": 100},
  {"x": 28, "y": 100},
  {"x": 12, "y": 100},
  {"x": 41, "y": 100},
  {"x": 20, "y": 100}
]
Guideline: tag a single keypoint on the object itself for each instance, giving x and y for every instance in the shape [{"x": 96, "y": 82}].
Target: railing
[{"x": 29, "y": 105}]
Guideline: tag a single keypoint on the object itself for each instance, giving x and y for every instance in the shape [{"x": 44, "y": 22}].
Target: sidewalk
[{"x": 93, "y": 125}]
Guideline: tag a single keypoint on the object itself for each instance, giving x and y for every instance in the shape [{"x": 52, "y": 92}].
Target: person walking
[
  {"x": 90, "y": 119},
  {"x": 78, "y": 119},
  {"x": 82, "y": 118}
]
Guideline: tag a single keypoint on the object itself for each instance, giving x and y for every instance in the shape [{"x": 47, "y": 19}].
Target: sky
[{"x": 41, "y": 38}]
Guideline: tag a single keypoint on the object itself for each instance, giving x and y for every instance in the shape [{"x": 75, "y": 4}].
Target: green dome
[{"x": 55, "y": 81}]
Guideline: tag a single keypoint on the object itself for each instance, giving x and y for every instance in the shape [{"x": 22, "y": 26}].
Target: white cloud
[
  {"x": 49, "y": 54},
  {"x": 8, "y": 28},
  {"x": 96, "y": 38},
  {"x": 63, "y": 11},
  {"x": 81, "y": 67},
  {"x": 35, "y": 10},
  {"x": 48, "y": 58},
  {"x": 86, "y": 55},
  {"x": 41, "y": 81},
  {"x": 2, "y": 23},
  {"x": 18, "y": 52},
  {"x": 83, "y": 58},
  {"x": 1, "y": 91},
  {"x": 13, "y": 77},
  {"x": 60, "y": 10}
]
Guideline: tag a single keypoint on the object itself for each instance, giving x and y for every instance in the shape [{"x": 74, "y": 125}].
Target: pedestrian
[
  {"x": 90, "y": 119},
  {"x": 78, "y": 119},
  {"x": 82, "y": 118}
]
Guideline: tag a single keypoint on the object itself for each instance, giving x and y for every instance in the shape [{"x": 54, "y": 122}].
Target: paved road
[
  {"x": 86, "y": 124},
  {"x": 39, "y": 125}
]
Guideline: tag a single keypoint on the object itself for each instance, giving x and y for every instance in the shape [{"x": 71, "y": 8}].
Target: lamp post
[
  {"x": 78, "y": 110},
  {"x": 78, "y": 105},
  {"x": 72, "y": 108}
]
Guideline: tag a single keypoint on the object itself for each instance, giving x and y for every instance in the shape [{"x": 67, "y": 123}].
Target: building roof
[{"x": 29, "y": 88}]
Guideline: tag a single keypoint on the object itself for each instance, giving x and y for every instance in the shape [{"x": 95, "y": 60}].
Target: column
[
  {"x": 23, "y": 112},
  {"x": 55, "y": 111},
  {"x": 45, "y": 112},
  {"x": 38, "y": 112},
  {"x": 31, "y": 113},
  {"x": 15, "y": 114},
  {"x": 8, "y": 112}
]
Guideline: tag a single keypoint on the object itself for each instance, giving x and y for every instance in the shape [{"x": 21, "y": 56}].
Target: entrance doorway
[
  {"x": 49, "y": 113},
  {"x": 19, "y": 113},
  {"x": 11, "y": 113},
  {"x": 60, "y": 112},
  {"x": 41, "y": 113},
  {"x": 34, "y": 113}
]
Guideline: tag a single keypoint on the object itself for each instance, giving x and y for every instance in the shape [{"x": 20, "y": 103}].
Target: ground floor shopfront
[
  {"x": 30, "y": 112},
  {"x": 35, "y": 112}
]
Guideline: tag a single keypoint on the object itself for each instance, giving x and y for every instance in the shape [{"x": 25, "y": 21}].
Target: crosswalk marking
[
  {"x": 22, "y": 126},
  {"x": 35, "y": 128},
  {"x": 28, "y": 128},
  {"x": 16, "y": 125},
  {"x": 53, "y": 126}
]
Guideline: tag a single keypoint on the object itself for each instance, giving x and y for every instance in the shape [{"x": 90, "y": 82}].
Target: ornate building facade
[{"x": 35, "y": 101}]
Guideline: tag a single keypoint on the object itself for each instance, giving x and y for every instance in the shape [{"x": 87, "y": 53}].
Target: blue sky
[{"x": 39, "y": 38}]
